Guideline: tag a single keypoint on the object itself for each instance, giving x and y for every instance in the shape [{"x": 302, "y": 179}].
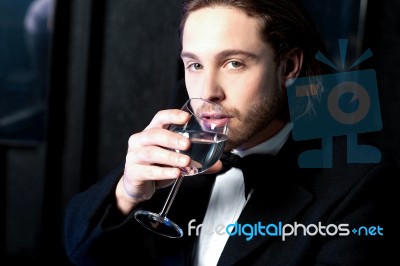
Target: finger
[
  {"x": 155, "y": 155},
  {"x": 145, "y": 173},
  {"x": 215, "y": 168},
  {"x": 164, "y": 183},
  {"x": 159, "y": 137},
  {"x": 166, "y": 117}
]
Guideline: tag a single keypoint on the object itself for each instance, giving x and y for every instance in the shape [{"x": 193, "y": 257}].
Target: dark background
[{"x": 112, "y": 66}]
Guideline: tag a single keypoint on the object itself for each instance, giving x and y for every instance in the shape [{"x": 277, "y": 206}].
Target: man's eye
[
  {"x": 195, "y": 66},
  {"x": 234, "y": 64}
]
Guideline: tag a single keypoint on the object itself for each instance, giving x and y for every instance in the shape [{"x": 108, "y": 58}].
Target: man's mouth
[{"x": 213, "y": 121}]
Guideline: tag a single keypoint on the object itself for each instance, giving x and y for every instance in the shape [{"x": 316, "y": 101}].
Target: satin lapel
[
  {"x": 258, "y": 211},
  {"x": 276, "y": 198}
]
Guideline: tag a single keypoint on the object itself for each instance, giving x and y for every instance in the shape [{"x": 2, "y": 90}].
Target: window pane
[{"x": 25, "y": 34}]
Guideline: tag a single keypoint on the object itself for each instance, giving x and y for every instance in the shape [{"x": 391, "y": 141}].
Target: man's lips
[{"x": 215, "y": 120}]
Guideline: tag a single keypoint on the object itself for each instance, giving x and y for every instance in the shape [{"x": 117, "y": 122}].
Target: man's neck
[
  {"x": 263, "y": 135},
  {"x": 270, "y": 146}
]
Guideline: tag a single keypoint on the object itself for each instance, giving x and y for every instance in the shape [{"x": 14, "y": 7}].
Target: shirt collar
[{"x": 270, "y": 146}]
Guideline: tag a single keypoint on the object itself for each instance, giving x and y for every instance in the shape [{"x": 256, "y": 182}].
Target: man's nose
[{"x": 211, "y": 87}]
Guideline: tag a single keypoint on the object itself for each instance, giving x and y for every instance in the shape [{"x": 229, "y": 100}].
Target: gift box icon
[{"x": 343, "y": 103}]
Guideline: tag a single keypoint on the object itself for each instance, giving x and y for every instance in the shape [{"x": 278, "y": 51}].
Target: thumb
[{"x": 215, "y": 168}]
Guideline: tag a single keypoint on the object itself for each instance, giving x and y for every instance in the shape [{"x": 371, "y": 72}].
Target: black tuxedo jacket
[{"x": 334, "y": 200}]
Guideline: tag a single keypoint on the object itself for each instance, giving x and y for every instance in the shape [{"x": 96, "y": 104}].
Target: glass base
[{"x": 158, "y": 224}]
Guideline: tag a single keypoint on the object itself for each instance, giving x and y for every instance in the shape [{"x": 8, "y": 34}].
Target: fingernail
[
  {"x": 183, "y": 114},
  {"x": 183, "y": 159},
  {"x": 182, "y": 142},
  {"x": 174, "y": 172}
]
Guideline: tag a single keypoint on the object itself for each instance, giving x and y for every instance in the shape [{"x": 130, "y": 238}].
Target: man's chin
[{"x": 231, "y": 145}]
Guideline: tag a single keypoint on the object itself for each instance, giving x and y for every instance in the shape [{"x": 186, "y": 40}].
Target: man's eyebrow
[
  {"x": 189, "y": 55},
  {"x": 222, "y": 54},
  {"x": 233, "y": 52}
]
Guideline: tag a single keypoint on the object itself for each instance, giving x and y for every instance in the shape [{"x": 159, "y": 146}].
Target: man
[{"x": 240, "y": 54}]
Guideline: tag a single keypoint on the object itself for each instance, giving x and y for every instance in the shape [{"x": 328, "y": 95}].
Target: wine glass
[{"x": 207, "y": 130}]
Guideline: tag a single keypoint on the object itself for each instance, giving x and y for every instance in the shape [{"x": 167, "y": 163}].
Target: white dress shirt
[{"x": 227, "y": 202}]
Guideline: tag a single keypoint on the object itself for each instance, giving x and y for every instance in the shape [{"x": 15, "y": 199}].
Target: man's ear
[{"x": 293, "y": 64}]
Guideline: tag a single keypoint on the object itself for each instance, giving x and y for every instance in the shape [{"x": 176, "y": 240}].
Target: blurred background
[{"x": 77, "y": 78}]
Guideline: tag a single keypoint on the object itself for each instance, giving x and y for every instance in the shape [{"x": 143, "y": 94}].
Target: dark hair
[{"x": 287, "y": 25}]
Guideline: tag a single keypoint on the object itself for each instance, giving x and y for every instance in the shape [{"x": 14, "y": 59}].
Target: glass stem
[{"x": 171, "y": 196}]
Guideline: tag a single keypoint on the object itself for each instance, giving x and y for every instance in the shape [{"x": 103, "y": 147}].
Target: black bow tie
[{"x": 254, "y": 167}]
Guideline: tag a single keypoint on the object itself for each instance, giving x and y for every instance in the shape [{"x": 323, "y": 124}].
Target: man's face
[{"x": 226, "y": 61}]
